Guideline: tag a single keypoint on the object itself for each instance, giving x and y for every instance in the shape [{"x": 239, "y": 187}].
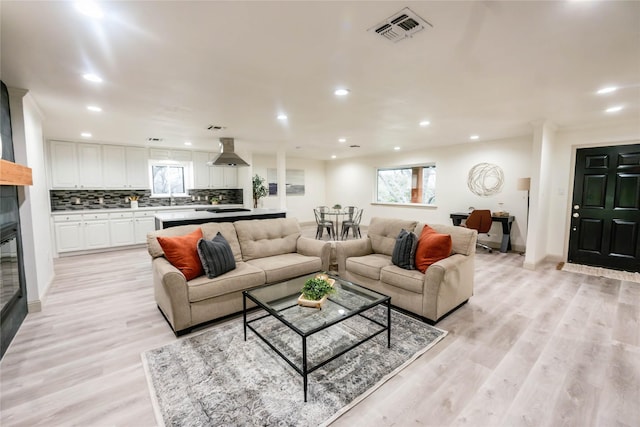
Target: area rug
[
  {"x": 602, "y": 272},
  {"x": 216, "y": 378}
]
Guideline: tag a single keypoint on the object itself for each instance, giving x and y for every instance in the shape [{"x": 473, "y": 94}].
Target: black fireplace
[{"x": 13, "y": 294}]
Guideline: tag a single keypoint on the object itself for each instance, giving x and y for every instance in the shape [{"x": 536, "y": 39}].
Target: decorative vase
[
  {"x": 255, "y": 203},
  {"x": 134, "y": 204}
]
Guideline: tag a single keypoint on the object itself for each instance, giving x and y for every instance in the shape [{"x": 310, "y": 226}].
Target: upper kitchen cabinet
[
  {"x": 163, "y": 154},
  {"x": 137, "y": 167},
  {"x": 114, "y": 166},
  {"x": 126, "y": 167},
  {"x": 76, "y": 165},
  {"x": 215, "y": 177}
]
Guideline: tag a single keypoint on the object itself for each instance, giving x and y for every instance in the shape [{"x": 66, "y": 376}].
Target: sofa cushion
[
  {"x": 282, "y": 267},
  {"x": 216, "y": 256},
  {"x": 243, "y": 277},
  {"x": 261, "y": 238},
  {"x": 404, "y": 252},
  {"x": 411, "y": 280},
  {"x": 228, "y": 231},
  {"x": 182, "y": 252},
  {"x": 463, "y": 239},
  {"x": 154, "y": 248},
  {"x": 432, "y": 247},
  {"x": 368, "y": 265},
  {"x": 383, "y": 232}
]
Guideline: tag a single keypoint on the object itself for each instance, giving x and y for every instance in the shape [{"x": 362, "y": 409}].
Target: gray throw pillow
[
  {"x": 216, "y": 256},
  {"x": 404, "y": 251}
]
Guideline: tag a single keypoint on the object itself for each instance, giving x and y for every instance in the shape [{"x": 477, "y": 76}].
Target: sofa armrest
[
  {"x": 350, "y": 248},
  {"x": 447, "y": 284},
  {"x": 312, "y": 247},
  {"x": 171, "y": 293}
]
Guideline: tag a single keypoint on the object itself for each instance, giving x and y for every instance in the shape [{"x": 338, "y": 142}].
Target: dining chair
[
  {"x": 323, "y": 222},
  {"x": 353, "y": 224},
  {"x": 480, "y": 220}
]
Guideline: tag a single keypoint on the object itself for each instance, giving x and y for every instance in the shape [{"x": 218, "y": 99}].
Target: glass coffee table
[{"x": 284, "y": 316}]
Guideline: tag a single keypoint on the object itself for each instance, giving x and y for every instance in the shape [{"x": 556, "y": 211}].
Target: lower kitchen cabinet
[
  {"x": 144, "y": 223},
  {"x": 81, "y": 232},
  {"x": 121, "y": 228}
]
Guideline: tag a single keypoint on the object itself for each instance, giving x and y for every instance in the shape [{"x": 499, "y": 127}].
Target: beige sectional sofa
[
  {"x": 265, "y": 251},
  {"x": 444, "y": 286}
]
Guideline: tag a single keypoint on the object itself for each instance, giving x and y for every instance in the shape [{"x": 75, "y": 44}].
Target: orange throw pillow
[
  {"x": 432, "y": 247},
  {"x": 182, "y": 253}
]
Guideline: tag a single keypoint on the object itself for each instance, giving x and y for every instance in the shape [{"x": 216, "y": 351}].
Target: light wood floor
[{"x": 531, "y": 348}]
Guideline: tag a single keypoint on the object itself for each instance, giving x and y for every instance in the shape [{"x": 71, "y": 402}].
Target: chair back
[
  {"x": 350, "y": 211},
  {"x": 357, "y": 216},
  {"x": 322, "y": 210},
  {"x": 479, "y": 219}
]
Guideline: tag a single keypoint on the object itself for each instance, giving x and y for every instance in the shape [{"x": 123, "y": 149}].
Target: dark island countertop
[{"x": 172, "y": 219}]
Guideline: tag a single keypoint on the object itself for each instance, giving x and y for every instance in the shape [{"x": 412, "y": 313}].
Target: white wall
[
  {"x": 352, "y": 182},
  {"x": 300, "y": 207},
  {"x": 563, "y": 166},
  {"x": 34, "y": 208}
]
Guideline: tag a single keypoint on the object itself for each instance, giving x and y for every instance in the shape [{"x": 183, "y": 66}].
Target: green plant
[
  {"x": 337, "y": 206},
  {"x": 259, "y": 190},
  {"x": 315, "y": 288}
]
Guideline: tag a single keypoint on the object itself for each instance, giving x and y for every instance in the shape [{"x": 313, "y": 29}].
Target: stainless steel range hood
[{"x": 227, "y": 156}]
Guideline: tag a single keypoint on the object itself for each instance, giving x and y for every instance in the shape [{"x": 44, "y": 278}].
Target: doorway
[{"x": 605, "y": 213}]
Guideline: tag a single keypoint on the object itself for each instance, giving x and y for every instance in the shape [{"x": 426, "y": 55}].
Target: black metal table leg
[
  {"x": 244, "y": 313},
  {"x": 304, "y": 365},
  {"x": 388, "y": 323}
]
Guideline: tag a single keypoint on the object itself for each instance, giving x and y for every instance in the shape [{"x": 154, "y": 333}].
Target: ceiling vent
[
  {"x": 400, "y": 25},
  {"x": 152, "y": 139},
  {"x": 215, "y": 127}
]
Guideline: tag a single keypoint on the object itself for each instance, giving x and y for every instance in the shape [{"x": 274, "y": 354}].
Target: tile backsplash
[{"x": 69, "y": 200}]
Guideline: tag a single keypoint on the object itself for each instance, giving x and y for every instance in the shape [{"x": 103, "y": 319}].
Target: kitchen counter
[
  {"x": 172, "y": 219},
  {"x": 146, "y": 208}
]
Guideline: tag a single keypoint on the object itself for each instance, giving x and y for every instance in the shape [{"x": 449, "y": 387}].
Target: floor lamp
[{"x": 524, "y": 184}]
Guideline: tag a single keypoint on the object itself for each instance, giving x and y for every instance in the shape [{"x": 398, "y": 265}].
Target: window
[
  {"x": 168, "y": 179},
  {"x": 407, "y": 184}
]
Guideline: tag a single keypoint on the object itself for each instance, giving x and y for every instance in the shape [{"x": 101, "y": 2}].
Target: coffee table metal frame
[{"x": 305, "y": 370}]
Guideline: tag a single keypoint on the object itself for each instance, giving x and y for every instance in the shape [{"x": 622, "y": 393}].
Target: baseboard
[{"x": 34, "y": 306}]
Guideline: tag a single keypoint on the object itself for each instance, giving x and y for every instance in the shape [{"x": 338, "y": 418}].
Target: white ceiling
[{"x": 172, "y": 68}]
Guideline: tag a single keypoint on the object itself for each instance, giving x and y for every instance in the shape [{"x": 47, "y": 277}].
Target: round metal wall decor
[{"x": 485, "y": 179}]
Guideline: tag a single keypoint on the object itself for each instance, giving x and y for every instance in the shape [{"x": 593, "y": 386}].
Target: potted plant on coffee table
[{"x": 316, "y": 290}]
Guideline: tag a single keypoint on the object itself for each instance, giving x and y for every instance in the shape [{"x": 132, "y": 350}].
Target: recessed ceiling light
[
  {"x": 282, "y": 117},
  {"x": 425, "y": 123},
  {"x": 607, "y": 90},
  {"x": 614, "y": 109},
  {"x": 187, "y": 143},
  {"x": 89, "y": 8},
  {"x": 341, "y": 92},
  {"x": 342, "y": 139},
  {"x": 92, "y": 78},
  {"x": 94, "y": 108},
  {"x": 474, "y": 137},
  {"x": 85, "y": 135},
  {"x": 333, "y": 156},
  {"x": 396, "y": 148}
]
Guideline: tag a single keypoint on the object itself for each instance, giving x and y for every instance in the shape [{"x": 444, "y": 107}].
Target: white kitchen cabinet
[
  {"x": 137, "y": 167},
  {"x": 230, "y": 177},
  {"x": 69, "y": 234},
  {"x": 217, "y": 177},
  {"x": 114, "y": 166},
  {"x": 89, "y": 165},
  {"x": 121, "y": 228},
  {"x": 75, "y": 232},
  {"x": 144, "y": 222},
  {"x": 96, "y": 230},
  {"x": 162, "y": 154},
  {"x": 201, "y": 171},
  {"x": 64, "y": 164}
]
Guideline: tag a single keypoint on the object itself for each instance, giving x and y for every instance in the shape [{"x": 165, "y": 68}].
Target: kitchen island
[{"x": 169, "y": 219}]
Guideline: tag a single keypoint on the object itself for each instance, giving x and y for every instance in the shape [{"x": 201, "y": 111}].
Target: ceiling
[{"x": 172, "y": 68}]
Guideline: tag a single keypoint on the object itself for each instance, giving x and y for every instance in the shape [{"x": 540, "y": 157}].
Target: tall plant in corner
[{"x": 259, "y": 190}]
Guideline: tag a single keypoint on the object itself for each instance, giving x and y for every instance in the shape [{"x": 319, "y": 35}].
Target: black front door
[{"x": 605, "y": 215}]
